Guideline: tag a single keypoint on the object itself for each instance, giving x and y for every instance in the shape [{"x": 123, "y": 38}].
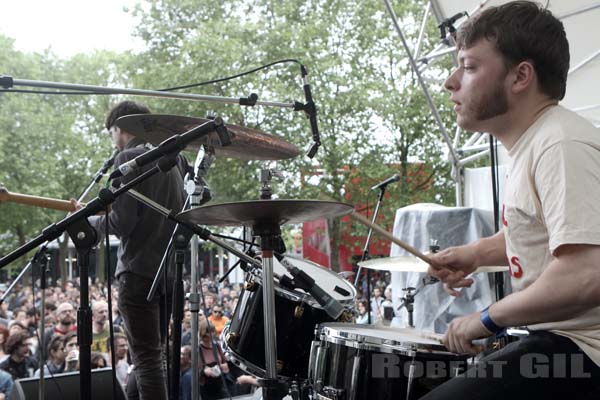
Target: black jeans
[
  {"x": 143, "y": 323},
  {"x": 540, "y": 366}
]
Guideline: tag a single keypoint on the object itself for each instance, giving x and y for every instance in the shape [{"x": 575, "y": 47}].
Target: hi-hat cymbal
[
  {"x": 246, "y": 143},
  {"x": 412, "y": 264},
  {"x": 277, "y": 212}
]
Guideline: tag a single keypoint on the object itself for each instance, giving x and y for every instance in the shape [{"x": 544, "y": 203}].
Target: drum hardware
[
  {"x": 332, "y": 393},
  {"x": 232, "y": 337},
  {"x": 266, "y": 175},
  {"x": 298, "y": 311},
  {"x": 411, "y": 376},
  {"x": 250, "y": 286},
  {"x": 265, "y": 217},
  {"x": 356, "y": 365},
  {"x": 409, "y": 303}
]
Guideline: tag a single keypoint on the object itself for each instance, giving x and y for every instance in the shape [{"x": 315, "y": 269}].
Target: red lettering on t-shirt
[
  {"x": 515, "y": 269},
  {"x": 504, "y": 222}
]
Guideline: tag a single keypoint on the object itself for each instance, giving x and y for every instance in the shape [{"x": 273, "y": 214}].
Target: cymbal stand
[
  {"x": 270, "y": 239},
  {"x": 270, "y": 234}
]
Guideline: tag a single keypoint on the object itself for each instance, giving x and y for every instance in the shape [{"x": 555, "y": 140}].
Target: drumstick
[{"x": 360, "y": 218}]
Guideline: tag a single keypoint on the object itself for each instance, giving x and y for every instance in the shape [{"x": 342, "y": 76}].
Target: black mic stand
[
  {"x": 365, "y": 254},
  {"x": 40, "y": 260},
  {"x": 182, "y": 237}
]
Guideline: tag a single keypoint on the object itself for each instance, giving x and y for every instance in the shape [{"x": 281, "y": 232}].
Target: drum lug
[
  {"x": 298, "y": 312},
  {"x": 250, "y": 286},
  {"x": 280, "y": 365},
  {"x": 232, "y": 338},
  {"x": 333, "y": 393}
]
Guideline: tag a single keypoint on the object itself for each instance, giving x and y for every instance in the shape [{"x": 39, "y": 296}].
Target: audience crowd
[{"x": 21, "y": 341}]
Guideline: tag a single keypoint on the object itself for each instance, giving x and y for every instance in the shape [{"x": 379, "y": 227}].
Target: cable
[{"x": 227, "y": 78}]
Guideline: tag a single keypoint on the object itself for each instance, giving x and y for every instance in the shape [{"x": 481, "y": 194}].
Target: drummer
[{"x": 513, "y": 64}]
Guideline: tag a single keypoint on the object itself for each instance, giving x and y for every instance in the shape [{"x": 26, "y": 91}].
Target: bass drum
[
  {"x": 362, "y": 362},
  {"x": 296, "y": 312}
]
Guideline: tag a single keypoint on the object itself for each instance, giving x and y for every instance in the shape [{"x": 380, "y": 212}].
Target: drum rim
[
  {"x": 333, "y": 332},
  {"x": 307, "y": 298}
]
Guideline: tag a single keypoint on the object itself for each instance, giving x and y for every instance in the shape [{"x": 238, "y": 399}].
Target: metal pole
[
  {"x": 194, "y": 308},
  {"x": 137, "y": 92}
]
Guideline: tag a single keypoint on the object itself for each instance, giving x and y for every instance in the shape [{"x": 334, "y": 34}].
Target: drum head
[
  {"x": 337, "y": 287},
  {"x": 383, "y": 339}
]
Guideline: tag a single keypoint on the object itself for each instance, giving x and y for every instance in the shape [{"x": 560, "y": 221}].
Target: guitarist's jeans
[{"x": 540, "y": 366}]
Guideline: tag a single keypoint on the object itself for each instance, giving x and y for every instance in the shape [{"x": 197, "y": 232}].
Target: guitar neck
[{"x": 36, "y": 201}]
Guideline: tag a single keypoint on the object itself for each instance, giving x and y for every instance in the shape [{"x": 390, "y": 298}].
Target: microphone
[
  {"x": 331, "y": 306},
  {"x": 389, "y": 180},
  {"x": 174, "y": 144},
  {"x": 105, "y": 167},
  {"x": 311, "y": 112},
  {"x": 448, "y": 23}
]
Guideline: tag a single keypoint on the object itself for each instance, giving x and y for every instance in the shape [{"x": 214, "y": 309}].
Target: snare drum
[
  {"x": 356, "y": 362},
  {"x": 296, "y": 312}
]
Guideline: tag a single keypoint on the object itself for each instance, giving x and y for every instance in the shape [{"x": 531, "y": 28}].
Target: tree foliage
[{"x": 373, "y": 117}]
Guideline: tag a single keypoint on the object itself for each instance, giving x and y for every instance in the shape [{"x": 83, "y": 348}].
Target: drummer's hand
[
  {"x": 209, "y": 372},
  {"x": 461, "y": 333},
  {"x": 451, "y": 266}
]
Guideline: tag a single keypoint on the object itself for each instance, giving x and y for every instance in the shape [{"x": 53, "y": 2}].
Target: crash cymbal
[
  {"x": 278, "y": 212},
  {"x": 246, "y": 143},
  {"x": 411, "y": 264}
]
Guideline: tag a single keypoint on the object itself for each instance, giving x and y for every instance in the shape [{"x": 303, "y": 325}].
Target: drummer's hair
[
  {"x": 126, "y": 107},
  {"x": 524, "y": 31}
]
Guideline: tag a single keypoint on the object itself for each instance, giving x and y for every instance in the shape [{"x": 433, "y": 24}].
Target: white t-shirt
[{"x": 553, "y": 198}]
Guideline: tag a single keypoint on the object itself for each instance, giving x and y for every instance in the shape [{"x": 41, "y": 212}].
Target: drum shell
[
  {"x": 357, "y": 369},
  {"x": 245, "y": 336}
]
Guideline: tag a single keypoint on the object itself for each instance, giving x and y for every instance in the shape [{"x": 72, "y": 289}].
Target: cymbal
[
  {"x": 279, "y": 212},
  {"x": 412, "y": 264},
  {"x": 246, "y": 143}
]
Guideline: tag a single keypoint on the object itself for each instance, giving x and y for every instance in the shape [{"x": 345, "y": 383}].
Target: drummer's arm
[
  {"x": 453, "y": 264},
  {"x": 569, "y": 286},
  {"x": 490, "y": 250}
]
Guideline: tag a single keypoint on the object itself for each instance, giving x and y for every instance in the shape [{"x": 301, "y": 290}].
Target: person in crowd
[
  {"x": 17, "y": 346},
  {"x": 57, "y": 355},
  {"x": 6, "y": 385},
  {"x": 212, "y": 382},
  {"x": 98, "y": 360},
  {"x": 66, "y": 317},
  {"x": 100, "y": 328},
  {"x": 72, "y": 351},
  {"x": 185, "y": 383},
  {"x": 362, "y": 317},
  {"x": 121, "y": 354},
  {"x": 218, "y": 320}
]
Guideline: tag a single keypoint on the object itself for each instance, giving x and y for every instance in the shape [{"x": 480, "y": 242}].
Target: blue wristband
[{"x": 488, "y": 322}]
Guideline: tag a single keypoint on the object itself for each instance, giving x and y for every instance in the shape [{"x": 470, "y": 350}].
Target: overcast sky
[{"x": 68, "y": 26}]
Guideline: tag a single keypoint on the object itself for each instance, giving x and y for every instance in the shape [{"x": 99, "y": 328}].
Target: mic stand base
[{"x": 84, "y": 237}]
